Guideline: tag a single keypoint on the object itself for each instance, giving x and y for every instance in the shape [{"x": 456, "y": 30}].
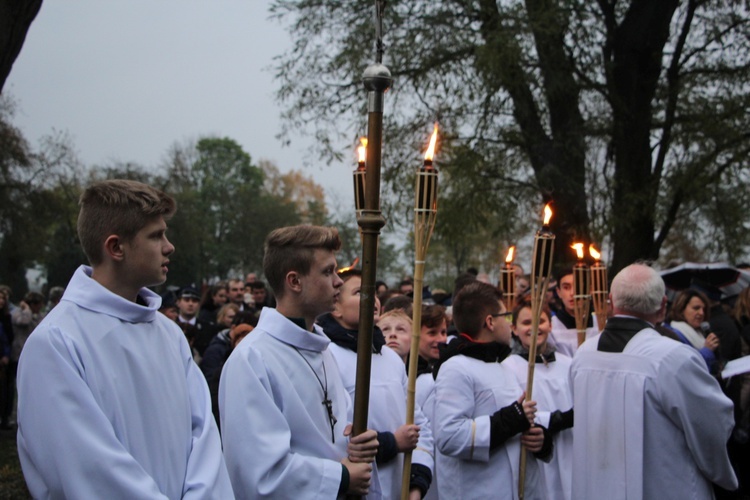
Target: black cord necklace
[{"x": 324, "y": 386}]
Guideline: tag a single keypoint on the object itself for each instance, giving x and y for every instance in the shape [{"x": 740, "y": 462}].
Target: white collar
[
  {"x": 283, "y": 329},
  {"x": 90, "y": 294}
]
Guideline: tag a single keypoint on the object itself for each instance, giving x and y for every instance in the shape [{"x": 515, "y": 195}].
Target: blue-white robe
[
  {"x": 650, "y": 422},
  {"x": 551, "y": 392},
  {"x": 467, "y": 392},
  {"x": 564, "y": 339},
  {"x": 275, "y": 429},
  {"x": 111, "y": 404},
  {"x": 387, "y": 410}
]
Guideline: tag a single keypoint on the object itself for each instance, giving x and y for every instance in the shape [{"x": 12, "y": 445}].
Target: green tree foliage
[
  {"x": 15, "y": 164},
  {"x": 392, "y": 265},
  {"x": 226, "y": 206},
  {"x": 629, "y": 115},
  {"x": 223, "y": 211},
  {"x": 38, "y": 205}
]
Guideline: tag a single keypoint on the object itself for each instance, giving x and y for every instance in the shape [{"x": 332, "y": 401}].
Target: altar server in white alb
[
  {"x": 650, "y": 422},
  {"x": 564, "y": 335},
  {"x": 387, "y": 409},
  {"x": 111, "y": 404},
  {"x": 481, "y": 418},
  {"x": 551, "y": 393},
  {"x": 284, "y": 408}
]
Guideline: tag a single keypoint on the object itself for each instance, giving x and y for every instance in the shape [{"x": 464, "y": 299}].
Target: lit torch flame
[
  {"x": 349, "y": 267},
  {"x": 594, "y": 253},
  {"x": 578, "y": 247},
  {"x": 547, "y": 214},
  {"x": 509, "y": 257},
  {"x": 431, "y": 148},
  {"x": 362, "y": 150}
]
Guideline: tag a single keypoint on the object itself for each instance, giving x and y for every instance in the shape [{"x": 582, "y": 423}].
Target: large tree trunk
[
  {"x": 636, "y": 47},
  {"x": 558, "y": 158},
  {"x": 16, "y": 17}
]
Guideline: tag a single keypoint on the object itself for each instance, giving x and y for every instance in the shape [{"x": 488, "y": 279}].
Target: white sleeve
[
  {"x": 457, "y": 433},
  {"x": 423, "y": 454},
  {"x": 697, "y": 405},
  {"x": 257, "y": 438},
  {"x": 206, "y": 475},
  {"x": 67, "y": 446}
]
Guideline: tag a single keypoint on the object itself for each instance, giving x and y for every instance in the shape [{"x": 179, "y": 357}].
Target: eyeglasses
[{"x": 505, "y": 314}]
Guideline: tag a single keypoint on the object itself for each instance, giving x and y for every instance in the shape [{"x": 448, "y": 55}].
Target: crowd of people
[{"x": 245, "y": 388}]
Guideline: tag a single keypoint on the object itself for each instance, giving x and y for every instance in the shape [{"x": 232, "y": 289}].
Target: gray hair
[{"x": 637, "y": 289}]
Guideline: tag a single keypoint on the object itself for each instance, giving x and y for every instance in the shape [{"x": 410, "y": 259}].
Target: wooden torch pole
[
  {"x": 425, "y": 213},
  {"x": 541, "y": 270}
]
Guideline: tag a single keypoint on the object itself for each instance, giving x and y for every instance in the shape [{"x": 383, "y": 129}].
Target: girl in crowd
[
  {"x": 551, "y": 392},
  {"x": 214, "y": 297}
]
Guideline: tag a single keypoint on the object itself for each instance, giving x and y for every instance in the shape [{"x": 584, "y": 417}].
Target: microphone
[{"x": 705, "y": 328}]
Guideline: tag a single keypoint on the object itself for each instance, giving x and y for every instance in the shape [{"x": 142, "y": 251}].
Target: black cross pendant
[{"x": 331, "y": 418}]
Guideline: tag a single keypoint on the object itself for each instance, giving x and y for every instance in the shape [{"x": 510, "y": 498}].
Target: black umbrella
[{"x": 715, "y": 278}]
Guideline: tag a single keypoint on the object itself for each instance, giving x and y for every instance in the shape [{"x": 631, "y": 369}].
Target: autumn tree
[
  {"x": 295, "y": 188},
  {"x": 628, "y": 115},
  {"x": 227, "y": 205}
]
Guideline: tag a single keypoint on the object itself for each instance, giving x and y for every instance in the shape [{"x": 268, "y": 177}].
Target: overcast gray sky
[{"x": 128, "y": 78}]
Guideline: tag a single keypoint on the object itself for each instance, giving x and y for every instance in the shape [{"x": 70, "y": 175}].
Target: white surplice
[
  {"x": 565, "y": 340},
  {"x": 111, "y": 404},
  {"x": 425, "y": 397},
  {"x": 467, "y": 392},
  {"x": 551, "y": 392},
  {"x": 387, "y": 410},
  {"x": 275, "y": 428},
  {"x": 650, "y": 422}
]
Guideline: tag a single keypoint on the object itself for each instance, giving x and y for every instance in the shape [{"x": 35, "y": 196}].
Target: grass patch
[{"x": 12, "y": 484}]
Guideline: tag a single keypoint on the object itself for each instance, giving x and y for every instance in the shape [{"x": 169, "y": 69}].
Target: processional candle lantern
[
  {"x": 359, "y": 177},
  {"x": 508, "y": 280},
  {"x": 541, "y": 270},
  {"x": 581, "y": 294},
  {"x": 425, "y": 214},
  {"x": 599, "y": 288},
  {"x": 544, "y": 241}
]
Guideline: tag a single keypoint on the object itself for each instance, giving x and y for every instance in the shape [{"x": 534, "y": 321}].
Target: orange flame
[
  {"x": 349, "y": 267},
  {"x": 509, "y": 257},
  {"x": 431, "y": 148},
  {"x": 362, "y": 150},
  {"x": 594, "y": 253},
  {"x": 578, "y": 247},
  {"x": 547, "y": 214}
]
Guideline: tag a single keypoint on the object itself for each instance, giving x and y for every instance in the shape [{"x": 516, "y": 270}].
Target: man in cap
[{"x": 188, "y": 304}]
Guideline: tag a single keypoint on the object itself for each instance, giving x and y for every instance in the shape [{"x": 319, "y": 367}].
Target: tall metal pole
[{"x": 377, "y": 79}]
